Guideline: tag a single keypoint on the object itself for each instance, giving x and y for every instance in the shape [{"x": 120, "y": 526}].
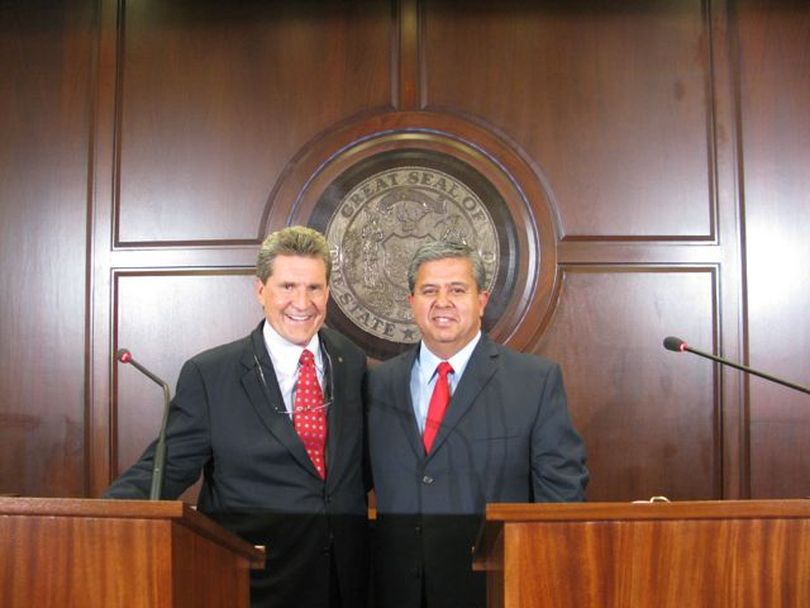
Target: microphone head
[
  {"x": 123, "y": 355},
  {"x": 675, "y": 344}
]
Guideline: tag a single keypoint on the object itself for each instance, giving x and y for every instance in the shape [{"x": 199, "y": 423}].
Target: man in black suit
[
  {"x": 293, "y": 482},
  {"x": 455, "y": 423}
]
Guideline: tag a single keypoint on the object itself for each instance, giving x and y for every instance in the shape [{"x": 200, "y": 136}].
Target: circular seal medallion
[
  {"x": 379, "y": 210},
  {"x": 378, "y": 226}
]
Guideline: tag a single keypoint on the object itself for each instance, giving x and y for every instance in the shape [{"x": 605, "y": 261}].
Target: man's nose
[
  {"x": 300, "y": 299},
  {"x": 443, "y": 298}
]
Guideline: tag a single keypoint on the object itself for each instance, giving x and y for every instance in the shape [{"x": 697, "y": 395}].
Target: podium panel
[
  {"x": 715, "y": 554},
  {"x": 106, "y": 553}
]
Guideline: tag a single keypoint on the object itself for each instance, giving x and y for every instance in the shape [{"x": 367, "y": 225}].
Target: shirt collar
[
  {"x": 284, "y": 354},
  {"x": 427, "y": 361}
]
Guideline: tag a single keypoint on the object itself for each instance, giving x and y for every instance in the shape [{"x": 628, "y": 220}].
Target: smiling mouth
[{"x": 299, "y": 318}]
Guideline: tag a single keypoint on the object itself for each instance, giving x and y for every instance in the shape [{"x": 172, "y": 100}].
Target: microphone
[
  {"x": 124, "y": 356},
  {"x": 679, "y": 346}
]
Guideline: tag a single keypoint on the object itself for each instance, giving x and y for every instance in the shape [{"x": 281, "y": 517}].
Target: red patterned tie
[
  {"x": 438, "y": 405},
  {"x": 309, "y": 416}
]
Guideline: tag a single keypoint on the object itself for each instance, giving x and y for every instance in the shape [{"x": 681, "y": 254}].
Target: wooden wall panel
[
  {"x": 164, "y": 318},
  {"x": 648, "y": 415},
  {"x": 45, "y": 62},
  {"x": 613, "y": 104},
  {"x": 216, "y": 98},
  {"x": 775, "y": 105},
  {"x": 670, "y": 137}
]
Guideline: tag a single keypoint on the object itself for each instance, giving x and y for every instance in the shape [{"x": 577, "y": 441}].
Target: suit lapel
[
  {"x": 279, "y": 424},
  {"x": 483, "y": 364}
]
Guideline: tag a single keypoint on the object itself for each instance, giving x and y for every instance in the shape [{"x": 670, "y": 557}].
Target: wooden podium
[
  {"x": 718, "y": 554},
  {"x": 110, "y": 553}
]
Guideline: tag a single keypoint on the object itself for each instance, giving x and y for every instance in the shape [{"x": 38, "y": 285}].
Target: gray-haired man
[{"x": 274, "y": 422}]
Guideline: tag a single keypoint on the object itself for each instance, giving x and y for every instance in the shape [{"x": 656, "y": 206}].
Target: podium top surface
[
  {"x": 614, "y": 511},
  {"x": 88, "y": 507}
]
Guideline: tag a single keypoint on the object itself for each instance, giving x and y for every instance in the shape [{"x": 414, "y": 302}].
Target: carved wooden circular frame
[{"x": 511, "y": 173}]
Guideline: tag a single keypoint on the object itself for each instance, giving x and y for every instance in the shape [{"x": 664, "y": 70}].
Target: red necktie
[
  {"x": 309, "y": 415},
  {"x": 438, "y": 405}
]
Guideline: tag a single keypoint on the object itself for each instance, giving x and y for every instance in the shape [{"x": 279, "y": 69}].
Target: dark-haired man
[{"x": 455, "y": 423}]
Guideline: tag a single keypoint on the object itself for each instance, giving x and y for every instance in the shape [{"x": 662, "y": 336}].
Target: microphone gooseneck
[
  {"x": 678, "y": 345},
  {"x": 124, "y": 356}
]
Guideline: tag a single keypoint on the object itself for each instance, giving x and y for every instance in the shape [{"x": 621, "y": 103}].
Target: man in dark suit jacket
[
  {"x": 231, "y": 419},
  {"x": 505, "y": 436}
]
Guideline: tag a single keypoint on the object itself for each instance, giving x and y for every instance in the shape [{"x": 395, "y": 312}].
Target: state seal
[{"x": 377, "y": 227}]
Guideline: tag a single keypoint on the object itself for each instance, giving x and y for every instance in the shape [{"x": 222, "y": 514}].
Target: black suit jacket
[
  {"x": 257, "y": 478},
  {"x": 506, "y": 437}
]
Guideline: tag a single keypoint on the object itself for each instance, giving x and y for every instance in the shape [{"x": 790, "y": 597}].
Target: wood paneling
[
  {"x": 163, "y": 319},
  {"x": 667, "y": 141},
  {"x": 216, "y": 99},
  {"x": 612, "y": 104},
  {"x": 647, "y": 415},
  {"x": 775, "y": 102},
  {"x": 45, "y": 67}
]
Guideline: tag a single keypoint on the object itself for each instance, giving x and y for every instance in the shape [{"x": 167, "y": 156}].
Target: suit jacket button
[{"x": 427, "y": 479}]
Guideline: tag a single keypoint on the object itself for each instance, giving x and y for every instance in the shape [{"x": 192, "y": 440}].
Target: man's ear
[{"x": 483, "y": 300}]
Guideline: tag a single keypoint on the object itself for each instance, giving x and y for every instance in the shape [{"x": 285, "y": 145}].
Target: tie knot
[
  {"x": 444, "y": 368},
  {"x": 307, "y": 358}
]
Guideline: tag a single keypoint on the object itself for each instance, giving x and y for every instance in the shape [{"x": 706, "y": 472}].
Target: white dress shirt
[
  {"x": 285, "y": 357},
  {"x": 423, "y": 376}
]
